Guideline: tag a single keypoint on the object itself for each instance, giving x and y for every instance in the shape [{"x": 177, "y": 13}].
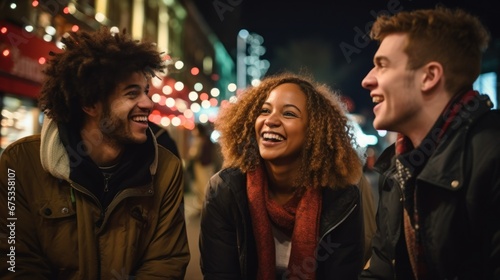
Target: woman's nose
[{"x": 272, "y": 120}]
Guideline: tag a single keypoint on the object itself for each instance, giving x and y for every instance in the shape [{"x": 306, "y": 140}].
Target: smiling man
[
  {"x": 95, "y": 196},
  {"x": 439, "y": 206}
]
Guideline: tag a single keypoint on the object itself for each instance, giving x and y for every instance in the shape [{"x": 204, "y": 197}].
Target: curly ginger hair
[
  {"x": 329, "y": 157},
  {"x": 89, "y": 69}
]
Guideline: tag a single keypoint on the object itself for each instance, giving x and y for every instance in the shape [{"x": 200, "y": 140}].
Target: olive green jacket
[{"x": 57, "y": 229}]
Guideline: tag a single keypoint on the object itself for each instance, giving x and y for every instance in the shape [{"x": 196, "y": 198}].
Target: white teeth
[
  {"x": 377, "y": 99},
  {"x": 140, "y": 119},
  {"x": 271, "y": 136}
]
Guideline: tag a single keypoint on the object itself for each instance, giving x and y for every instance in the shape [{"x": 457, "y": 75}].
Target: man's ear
[
  {"x": 432, "y": 75},
  {"x": 92, "y": 110}
]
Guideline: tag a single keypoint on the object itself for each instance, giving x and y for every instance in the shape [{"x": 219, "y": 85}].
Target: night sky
[{"x": 321, "y": 37}]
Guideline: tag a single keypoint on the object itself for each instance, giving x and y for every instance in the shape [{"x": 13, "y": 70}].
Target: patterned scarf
[
  {"x": 406, "y": 174},
  {"x": 298, "y": 218}
]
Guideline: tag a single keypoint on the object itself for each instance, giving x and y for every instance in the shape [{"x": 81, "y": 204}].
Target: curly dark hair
[
  {"x": 89, "y": 69},
  {"x": 329, "y": 158},
  {"x": 452, "y": 37}
]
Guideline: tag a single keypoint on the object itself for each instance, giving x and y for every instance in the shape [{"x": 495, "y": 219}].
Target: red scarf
[
  {"x": 299, "y": 218},
  {"x": 403, "y": 145}
]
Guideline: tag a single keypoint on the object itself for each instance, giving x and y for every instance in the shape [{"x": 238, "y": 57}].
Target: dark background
[{"x": 309, "y": 35}]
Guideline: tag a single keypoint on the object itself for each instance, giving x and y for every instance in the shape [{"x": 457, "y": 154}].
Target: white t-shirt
[{"x": 283, "y": 246}]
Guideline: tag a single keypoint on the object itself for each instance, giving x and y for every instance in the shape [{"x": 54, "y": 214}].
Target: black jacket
[
  {"x": 227, "y": 244},
  {"x": 459, "y": 204}
]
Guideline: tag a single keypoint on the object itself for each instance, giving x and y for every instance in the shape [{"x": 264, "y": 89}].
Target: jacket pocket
[
  {"x": 56, "y": 209},
  {"x": 58, "y": 233}
]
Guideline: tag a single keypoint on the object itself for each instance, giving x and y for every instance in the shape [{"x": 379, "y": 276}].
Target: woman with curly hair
[{"x": 285, "y": 205}]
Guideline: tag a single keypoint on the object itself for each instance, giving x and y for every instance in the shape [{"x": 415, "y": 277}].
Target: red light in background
[
  {"x": 5, "y": 52},
  {"x": 163, "y": 101},
  {"x": 34, "y": 3},
  {"x": 349, "y": 103},
  {"x": 3, "y": 30},
  {"x": 213, "y": 102},
  {"x": 155, "y": 118},
  {"x": 189, "y": 125},
  {"x": 195, "y": 71},
  {"x": 66, "y": 10},
  {"x": 42, "y": 60},
  {"x": 182, "y": 119},
  {"x": 204, "y": 96},
  {"x": 75, "y": 28}
]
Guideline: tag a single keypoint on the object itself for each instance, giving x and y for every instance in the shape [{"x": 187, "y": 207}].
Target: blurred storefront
[
  {"x": 196, "y": 83},
  {"x": 22, "y": 58}
]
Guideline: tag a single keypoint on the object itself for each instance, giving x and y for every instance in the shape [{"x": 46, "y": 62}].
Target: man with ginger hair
[{"x": 439, "y": 207}]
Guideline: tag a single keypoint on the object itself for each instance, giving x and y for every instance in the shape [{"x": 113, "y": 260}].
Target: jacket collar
[{"x": 445, "y": 165}]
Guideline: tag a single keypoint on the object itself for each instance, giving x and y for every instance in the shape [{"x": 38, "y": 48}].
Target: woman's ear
[{"x": 432, "y": 75}]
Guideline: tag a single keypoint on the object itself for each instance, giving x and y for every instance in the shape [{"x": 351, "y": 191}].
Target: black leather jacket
[
  {"x": 227, "y": 244},
  {"x": 459, "y": 194}
]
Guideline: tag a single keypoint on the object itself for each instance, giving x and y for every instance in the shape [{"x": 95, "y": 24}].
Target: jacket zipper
[
  {"x": 106, "y": 181},
  {"x": 337, "y": 224},
  {"x": 101, "y": 218},
  {"x": 401, "y": 202}
]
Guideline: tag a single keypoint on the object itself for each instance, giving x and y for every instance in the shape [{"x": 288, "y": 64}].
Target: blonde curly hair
[{"x": 329, "y": 158}]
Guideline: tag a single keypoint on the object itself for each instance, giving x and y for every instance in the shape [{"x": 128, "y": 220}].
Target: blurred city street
[
  {"x": 193, "y": 230},
  {"x": 213, "y": 51}
]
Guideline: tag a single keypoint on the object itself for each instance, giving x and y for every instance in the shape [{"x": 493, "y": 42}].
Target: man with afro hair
[{"x": 95, "y": 196}]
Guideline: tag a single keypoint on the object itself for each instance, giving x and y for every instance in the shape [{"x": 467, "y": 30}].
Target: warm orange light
[
  {"x": 5, "y": 52},
  {"x": 155, "y": 118},
  {"x": 204, "y": 96},
  {"x": 163, "y": 101},
  {"x": 42, "y": 60},
  {"x": 195, "y": 71},
  {"x": 182, "y": 119},
  {"x": 75, "y": 28},
  {"x": 189, "y": 125},
  {"x": 213, "y": 102}
]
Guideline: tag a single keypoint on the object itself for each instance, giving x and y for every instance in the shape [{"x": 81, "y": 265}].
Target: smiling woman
[
  {"x": 290, "y": 174},
  {"x": 281, "y": 126}
]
